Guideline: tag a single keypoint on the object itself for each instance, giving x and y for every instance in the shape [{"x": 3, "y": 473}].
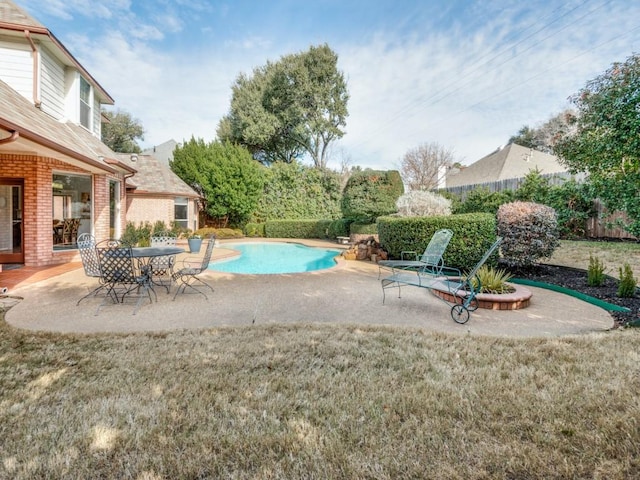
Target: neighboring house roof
[
  {"x": 15, "y": 21},
  {"x": 154, "y": 176},
  {"x": 35, "y": 131},
  {"x": 512, "y": 161},
  {"x": 163, "y": 152}
]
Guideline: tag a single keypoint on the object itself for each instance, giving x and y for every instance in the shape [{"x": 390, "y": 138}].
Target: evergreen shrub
[
  {"x": 628, "y": 283},
  {"x": 473, "y": 234},
  {"x": 529, "y": 232},
  {"x": 339, "y": 228},
  {"x": 297, "y": 228},
  {"x": 220, "y": 233},
  {"x": 254, "y": 229},
  {"x": 364, "y": 228}
]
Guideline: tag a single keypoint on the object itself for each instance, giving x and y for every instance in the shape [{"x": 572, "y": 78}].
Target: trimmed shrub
[
  {"x": 371, "y": 193},
  {"x": 254, "y": 230},
  {"x": 339, "y": 228},
  {"x": 419, "y": 203},
  {"x": 364, "y": 228},
  {"x": 297, "y": 228},
  {"x": 473, "y": 234},
  {"x": 529, "y": 231},
  {"x": 220, "y": 233}
]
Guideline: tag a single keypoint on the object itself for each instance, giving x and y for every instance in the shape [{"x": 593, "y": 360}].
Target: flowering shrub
[
  {"x": 529, "y": 232},
  {"x": 419, "y": 203}
]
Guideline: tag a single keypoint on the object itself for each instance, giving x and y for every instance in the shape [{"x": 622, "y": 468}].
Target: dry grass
[
  {"x": 613, "y": 254},
  {"x": 318, "y": 402}
]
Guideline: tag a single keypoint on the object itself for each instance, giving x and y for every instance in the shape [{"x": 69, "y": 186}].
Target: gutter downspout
[
  {"x": 14, "y": 136},
  {"x": 36, "y": 99}
]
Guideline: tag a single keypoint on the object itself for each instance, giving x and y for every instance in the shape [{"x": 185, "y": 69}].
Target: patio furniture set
[
  {"x": 123, "y": 271},
  {"x": 429, "y": 272}
]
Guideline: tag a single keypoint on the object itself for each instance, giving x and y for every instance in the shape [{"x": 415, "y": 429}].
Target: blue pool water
[{"x": 264, "y": 258}]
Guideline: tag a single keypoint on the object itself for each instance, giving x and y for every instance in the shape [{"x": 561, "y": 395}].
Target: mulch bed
[{"x": 576, "y": 279}]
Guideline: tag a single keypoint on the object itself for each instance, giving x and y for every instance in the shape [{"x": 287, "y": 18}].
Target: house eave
[
  {"x": 30, "y": 143},
  {"x": 45, "y": 35}
]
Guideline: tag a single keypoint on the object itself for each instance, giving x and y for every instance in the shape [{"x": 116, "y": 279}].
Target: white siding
[
  {"x": 16, "y": 67},
  {"x": 52, "y": 86}
]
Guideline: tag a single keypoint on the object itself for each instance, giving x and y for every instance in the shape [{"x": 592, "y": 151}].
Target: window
[
  {"x": 85, "y": 103},
  {"x": 72, "y": 206},
  {"x": 181, "y": 212}
]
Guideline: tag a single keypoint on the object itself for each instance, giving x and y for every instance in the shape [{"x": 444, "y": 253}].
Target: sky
[{"x": 465, "y": 74}]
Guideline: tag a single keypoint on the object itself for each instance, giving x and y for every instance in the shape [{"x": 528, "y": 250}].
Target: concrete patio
[{"x": 349, "y": 294}]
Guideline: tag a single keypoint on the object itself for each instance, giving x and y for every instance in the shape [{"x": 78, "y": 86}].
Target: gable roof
[
  {"x": 34, "y": 132},
  {"x": 14, "y": 21},
  {"x": 154, "y": 176},
  {"x": 512, "y": 161}
]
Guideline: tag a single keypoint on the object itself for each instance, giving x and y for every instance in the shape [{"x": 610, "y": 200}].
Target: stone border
[{"x": 516, "y": 300}]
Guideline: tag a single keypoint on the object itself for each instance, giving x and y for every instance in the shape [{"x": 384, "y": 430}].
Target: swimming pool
[{"x": 272, "y": 257}]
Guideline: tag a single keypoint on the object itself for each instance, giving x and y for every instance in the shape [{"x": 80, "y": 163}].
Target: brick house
[
  {"x": 53, "y": 165},
  {"x": 156, "y": 193}
]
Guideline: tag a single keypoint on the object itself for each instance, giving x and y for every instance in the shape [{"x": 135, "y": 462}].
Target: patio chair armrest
[{"x": 405, "y": 253}]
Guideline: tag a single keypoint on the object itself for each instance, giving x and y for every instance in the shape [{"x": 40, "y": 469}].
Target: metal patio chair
[
  {"x": 187, "y": 276},
  {"x": 119, "y": 274},
  {"x": 162, "y": 267},
  {"x": 90, "y": 262}
]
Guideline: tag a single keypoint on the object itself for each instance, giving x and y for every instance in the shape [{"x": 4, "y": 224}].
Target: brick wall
[
  {"x": 150, "y": 209},
  {"x": 37, "y": 173}
]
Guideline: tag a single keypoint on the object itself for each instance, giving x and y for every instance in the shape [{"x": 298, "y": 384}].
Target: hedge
[
  {"x": 473, "y": 234},
  {"x": 297, "y": 228}
]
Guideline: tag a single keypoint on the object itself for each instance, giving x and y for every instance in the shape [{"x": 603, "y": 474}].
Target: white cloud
[{"x": 468, "y": 87}]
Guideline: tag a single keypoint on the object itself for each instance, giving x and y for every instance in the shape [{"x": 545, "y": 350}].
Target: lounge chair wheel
[{"x": 460, "y": 314}]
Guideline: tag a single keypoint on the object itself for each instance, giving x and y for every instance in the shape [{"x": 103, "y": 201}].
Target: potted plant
[{"x": 195, "y": 243}]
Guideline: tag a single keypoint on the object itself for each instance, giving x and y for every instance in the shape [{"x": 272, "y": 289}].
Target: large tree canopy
[
  {"x": 289, "y": 108},
  {"x": 226, "y": 175},
  {"x": 120, "y": 132},
  {"x": 607, "y": 142},
  {"x": 544, "y": 137}
]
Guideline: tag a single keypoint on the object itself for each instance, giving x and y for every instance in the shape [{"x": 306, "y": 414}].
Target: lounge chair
[
  {"x": 430, "y": 260},
  {"x": 464, "y": 288}
]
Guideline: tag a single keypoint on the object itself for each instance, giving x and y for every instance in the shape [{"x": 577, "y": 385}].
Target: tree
[
  {"x": 544, "y": 137},
  {"x": 226, "y": 175},
  {"x": 370, "y": 194},
  {"x": 423, "y": 166},
  {"x": 297, "y": 191},
  {"x": 121, "y": 131},
  {"x": 607, "y": 142},
  {"x": 289, "y": 108}
]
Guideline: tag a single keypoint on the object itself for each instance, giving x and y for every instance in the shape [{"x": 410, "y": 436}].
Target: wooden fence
[{"x": 602, "y": 225}]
